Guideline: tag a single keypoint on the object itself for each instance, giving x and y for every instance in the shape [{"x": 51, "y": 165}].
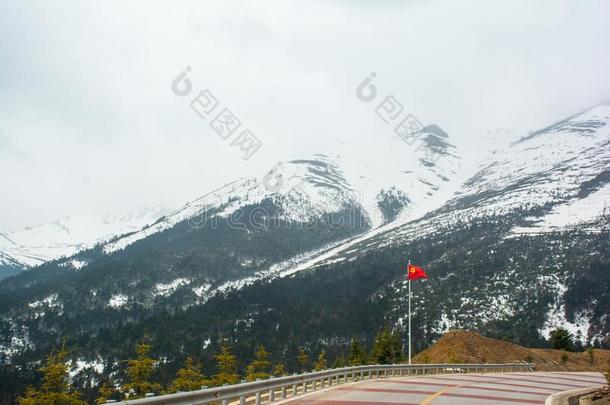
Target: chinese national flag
[{"x": 415, "y": 272}]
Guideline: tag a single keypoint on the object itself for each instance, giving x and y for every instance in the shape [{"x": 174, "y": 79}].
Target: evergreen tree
[
  {"x": 321, "y": 363},
  {"x": 226, "y": 365},
  {"x": 561, "y": 339},
  {"x": 357, "y": 353},
  {"x": 140, "y": 371},
  {"x": 188, "y": 378},
  {"x": 260, "y": 366},
  {"x": 339, "y": 362},
  {"x": 55, "y": 388},
  {"x": 387, "y": 348},
  {"x": 106, "y": 392},
  {"x": 279, "y": 369},
  {"x": 303, "y": 359}
]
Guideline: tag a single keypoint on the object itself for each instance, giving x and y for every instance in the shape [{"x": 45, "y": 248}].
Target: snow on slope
[
  {"x": 575, "y": 212},
  {"x": 546, "y": 166},
  {"x": 425, "y": 172},
  {"x": 9, "y": 261},
  {"x": 64, "y": 237},
  {"x": 555, "y": 166},
  {"x": 549, "y": 166},
  {"x": 348, "y": 175},
  {"x": 556, "y": 317},
  {"x": 304, "y": 189}
]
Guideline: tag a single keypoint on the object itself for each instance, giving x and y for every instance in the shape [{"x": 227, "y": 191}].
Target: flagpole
[{"x": 409, "y": 311}]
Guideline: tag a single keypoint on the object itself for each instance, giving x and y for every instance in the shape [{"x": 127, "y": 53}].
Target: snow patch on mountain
[
  {"x": 575, "y": 212},
  {"x": 49, "y": 301},
  {"x": 17, "y": 344},
  {"x": 117, "y": 301},
  {"x": 81, "y": 364},
  {"x": 167, "y": 289}
]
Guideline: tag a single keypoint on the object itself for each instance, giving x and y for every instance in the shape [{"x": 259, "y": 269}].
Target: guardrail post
[
  {"x": 304, "y": 387},
  {"x": 225, "y": 402},
  {"x": 272, "y": 395},
  {"x": 284, "y": 391},
  {"x": 242, "y": 400}
]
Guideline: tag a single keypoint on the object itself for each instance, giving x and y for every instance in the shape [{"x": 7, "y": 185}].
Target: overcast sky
[{"x": 89, "y": 124}]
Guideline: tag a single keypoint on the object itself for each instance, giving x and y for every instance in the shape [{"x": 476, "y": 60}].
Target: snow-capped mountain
[
  {"x": 422, "y": 174},
  {"x": 312, "y": 252},
  {"x": 561, "y": 172},
  {"x": 395, "y": 184},
  {"x": 550, "y": 185},
  {"x": 34, "y": 245},
  {"x": 556, "y": 165},
  {"x": 9, "y": 266}
]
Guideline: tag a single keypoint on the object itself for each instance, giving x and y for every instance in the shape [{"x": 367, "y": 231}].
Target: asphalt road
[{"x": 454, "y": 389}]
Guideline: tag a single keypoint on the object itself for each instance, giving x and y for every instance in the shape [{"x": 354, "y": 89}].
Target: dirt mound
[{"x": 468, "y": 347}]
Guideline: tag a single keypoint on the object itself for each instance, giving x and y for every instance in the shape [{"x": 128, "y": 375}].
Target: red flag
[{"x": 416, "y": 272}]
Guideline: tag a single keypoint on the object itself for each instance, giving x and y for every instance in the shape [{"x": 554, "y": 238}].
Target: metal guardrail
[{"x": 280, "y": 388}]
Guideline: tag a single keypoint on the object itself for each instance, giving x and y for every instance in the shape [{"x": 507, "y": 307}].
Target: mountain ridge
[
  {"x": 309, "y": 277},
  {"x": 33, "y": 245}
]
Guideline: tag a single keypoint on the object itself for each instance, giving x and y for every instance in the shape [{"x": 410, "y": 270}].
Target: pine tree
[
  {"x": 561, "y": 339},
  {"x": 106, "y": 391},
  {"x": 189, "y": 377},
  {"x": 140, "y": 371},
  {"x": 303, "y": 359},
  {"x": 357, "y": 354},
  {"x": 387, "y": 348},
  {"x": 226, "y": 364},
  {"x": 55, "y": 388},
  {"x": 321, "y": 363},
  {"x": 396, "y": 348},
  {"x": 260, "y": 366},
  {"x": 279, "y": 369},
  {"x": 339, "y": 362}
]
